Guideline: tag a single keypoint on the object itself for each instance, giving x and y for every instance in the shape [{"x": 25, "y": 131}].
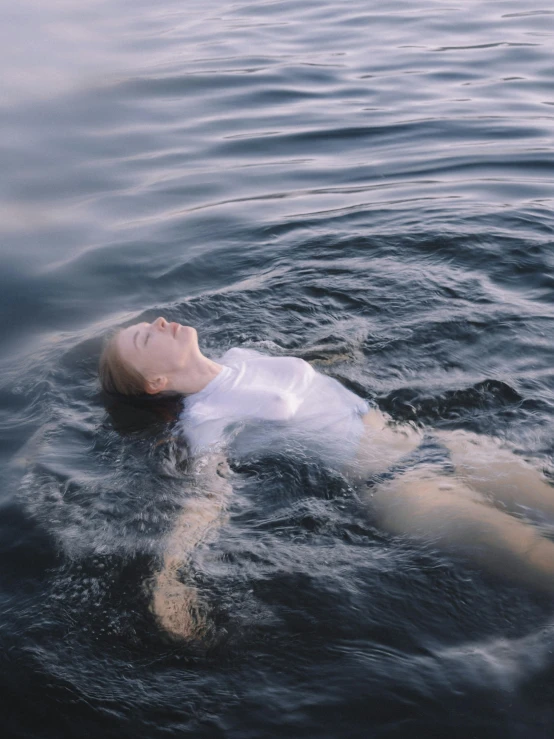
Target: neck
[{"x": 197, "y": 375}]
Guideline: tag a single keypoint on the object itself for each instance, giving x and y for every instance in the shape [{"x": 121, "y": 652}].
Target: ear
[{"x": 156, "y": 386}]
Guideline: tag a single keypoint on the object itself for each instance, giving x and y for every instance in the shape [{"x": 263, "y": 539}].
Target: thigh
[
  {"x": 383, "y": 444},
  {"x": 499, "y": 473},
  {"x": 423, "y": 501},
  {"x": 445, "y": 512}
]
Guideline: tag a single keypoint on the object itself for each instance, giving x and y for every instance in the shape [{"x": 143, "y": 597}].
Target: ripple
[{"x": 367, "y": 188}]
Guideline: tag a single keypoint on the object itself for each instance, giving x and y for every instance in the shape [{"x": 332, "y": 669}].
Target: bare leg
[
  {"x": 382, "y": 445},
  {"x": 499, "y": 473},
  {"x": 444, "y": 511}
]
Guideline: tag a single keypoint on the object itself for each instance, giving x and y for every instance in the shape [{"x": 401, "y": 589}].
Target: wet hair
[
  {"x": 130, "y": 408},
  {"x": 144, "y": 414},
  {"x": 116, "y": 375}
]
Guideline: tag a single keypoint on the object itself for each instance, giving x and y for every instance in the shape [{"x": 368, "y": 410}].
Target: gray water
[{"x": 368, "y": 187}]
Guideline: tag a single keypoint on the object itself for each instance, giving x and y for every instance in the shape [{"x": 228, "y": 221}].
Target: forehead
[{"x": 127, "y": 337}]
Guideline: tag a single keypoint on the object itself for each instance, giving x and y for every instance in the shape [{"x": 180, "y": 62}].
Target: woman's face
[{"x": 157, "y": 349}]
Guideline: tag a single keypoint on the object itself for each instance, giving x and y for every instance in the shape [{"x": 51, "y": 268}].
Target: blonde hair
[{"x": 116, "y": 375}]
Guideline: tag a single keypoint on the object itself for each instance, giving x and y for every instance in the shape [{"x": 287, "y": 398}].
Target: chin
[
  {"x": 187, "y": 335},
  {"x": 188, "y": 331}
]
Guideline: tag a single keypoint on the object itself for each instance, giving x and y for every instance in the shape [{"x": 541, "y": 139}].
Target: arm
[{"x": 176, "y": 605}]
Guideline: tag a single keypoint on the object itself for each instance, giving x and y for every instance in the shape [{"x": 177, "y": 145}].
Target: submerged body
[
  {"x": 259, "y": 403},
  {"x": 247, "y": 403}
]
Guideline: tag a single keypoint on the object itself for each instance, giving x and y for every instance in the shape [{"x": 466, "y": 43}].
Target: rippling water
[{"x": 369, "y": 187}]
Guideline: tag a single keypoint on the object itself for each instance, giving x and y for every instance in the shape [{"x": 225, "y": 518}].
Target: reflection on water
[{"x": 367, "y": 188}]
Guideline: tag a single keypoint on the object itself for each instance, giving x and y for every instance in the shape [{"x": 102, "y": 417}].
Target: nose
[{"x": 160, "y": 323}]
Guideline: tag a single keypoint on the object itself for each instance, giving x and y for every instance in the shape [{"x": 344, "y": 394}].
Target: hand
[{"x": 178, "y": 609}]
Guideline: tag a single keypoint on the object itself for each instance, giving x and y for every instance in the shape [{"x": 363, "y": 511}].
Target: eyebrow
[{"x": 135, "y": 339}]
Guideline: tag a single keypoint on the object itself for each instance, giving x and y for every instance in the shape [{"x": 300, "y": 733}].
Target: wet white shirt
[{"x": 260, "y": 403}]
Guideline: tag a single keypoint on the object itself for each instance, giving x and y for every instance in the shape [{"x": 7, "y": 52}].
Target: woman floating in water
[{"x": 455, "y": 489}]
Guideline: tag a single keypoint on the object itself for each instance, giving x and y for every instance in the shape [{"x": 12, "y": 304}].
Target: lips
[{"x": 174, "y": 329}]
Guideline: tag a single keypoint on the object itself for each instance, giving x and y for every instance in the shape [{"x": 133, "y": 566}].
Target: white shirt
[{"x": 259, "y": 404}]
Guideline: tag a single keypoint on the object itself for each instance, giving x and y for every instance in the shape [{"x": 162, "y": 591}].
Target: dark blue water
[{"x": 367, "y": 186}]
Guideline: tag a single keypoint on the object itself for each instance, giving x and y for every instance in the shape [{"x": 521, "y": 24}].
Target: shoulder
[{"x": 238, "y": 354}]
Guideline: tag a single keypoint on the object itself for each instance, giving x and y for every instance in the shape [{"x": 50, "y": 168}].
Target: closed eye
[{"x": 146, "y": 340}]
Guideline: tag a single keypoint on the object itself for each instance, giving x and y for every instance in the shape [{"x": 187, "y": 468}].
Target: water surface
[{"x": 367, "y": 187}]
